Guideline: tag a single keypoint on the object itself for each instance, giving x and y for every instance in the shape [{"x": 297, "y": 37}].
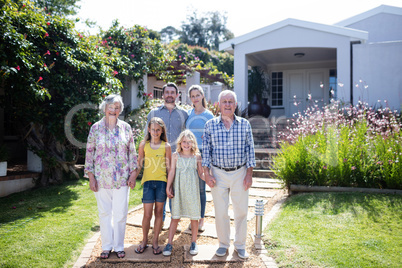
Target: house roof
[
  {"x": 352, "y": 33},
  {"x": 370, "y": 13}
]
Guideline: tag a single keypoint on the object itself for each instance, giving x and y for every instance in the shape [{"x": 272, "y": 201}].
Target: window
[
  {"x": 332, "y": 84},
  {"x": 277, "y": 89},
  {"x": 157, "y": 93}
]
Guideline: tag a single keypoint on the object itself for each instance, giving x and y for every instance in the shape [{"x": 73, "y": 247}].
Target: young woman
[{"x": 197, "y": 117}]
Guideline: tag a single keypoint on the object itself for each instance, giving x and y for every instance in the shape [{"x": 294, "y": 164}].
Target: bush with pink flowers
[{"x": 353, "y": 146}]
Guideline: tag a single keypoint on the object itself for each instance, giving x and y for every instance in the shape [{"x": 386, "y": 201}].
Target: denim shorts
[{"x": 154, "y": 191}]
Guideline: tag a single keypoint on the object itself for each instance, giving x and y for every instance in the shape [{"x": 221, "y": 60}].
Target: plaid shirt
[{"x": 228, "y": 148}]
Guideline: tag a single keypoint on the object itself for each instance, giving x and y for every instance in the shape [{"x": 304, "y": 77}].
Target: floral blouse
[{"x": 111, "y": 154}]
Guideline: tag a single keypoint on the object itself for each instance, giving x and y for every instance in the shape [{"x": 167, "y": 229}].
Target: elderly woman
[
  {"x": 110, "y": 161},
  {"x": 197, "y": 117}
]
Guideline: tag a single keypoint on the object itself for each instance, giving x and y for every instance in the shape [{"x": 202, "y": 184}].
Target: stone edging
[{"x": 305, "y": 188}]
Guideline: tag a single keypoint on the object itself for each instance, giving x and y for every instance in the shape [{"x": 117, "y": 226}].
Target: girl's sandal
[
  {"x": 140, "y": 249},
  {"x": 121, "y": 254},
  {"x": 156, "y": 250},
  {"x": 105, "y": 254}
]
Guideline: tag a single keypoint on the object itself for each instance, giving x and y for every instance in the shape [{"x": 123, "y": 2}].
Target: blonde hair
[
  {"x": 189, "y": 135},
  {"x": 158, "y": 121},
  {"x": 199, "y": 88}
]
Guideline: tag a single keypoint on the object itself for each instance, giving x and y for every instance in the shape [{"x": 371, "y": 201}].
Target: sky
[{"x": 242, "y": 16}]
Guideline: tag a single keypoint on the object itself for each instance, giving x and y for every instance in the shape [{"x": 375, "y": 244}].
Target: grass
[
  {"x": 48, "y": 227},
  {"x": 337, "y": 230}
]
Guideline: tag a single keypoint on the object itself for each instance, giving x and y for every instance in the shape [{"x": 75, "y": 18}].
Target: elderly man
[
  {"x": 172, "y": 115},
  {"x": 228, "y": 159}
]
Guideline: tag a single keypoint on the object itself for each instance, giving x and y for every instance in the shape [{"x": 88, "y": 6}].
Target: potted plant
[
  {"x": 3, "y": 160},
  {"x": 258, "y": 90}
]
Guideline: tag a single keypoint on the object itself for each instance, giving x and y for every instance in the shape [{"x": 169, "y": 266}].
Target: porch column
[
  {"x": 343, "y": 71},
  {"x": 241, "y": 80}
]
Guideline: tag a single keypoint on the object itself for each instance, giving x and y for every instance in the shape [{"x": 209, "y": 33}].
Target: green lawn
[
  {"x": 48, "y": 227},
  {"x": 337, "y": 230}
]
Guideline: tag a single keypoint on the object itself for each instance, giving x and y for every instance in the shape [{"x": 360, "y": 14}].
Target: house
[{"x": 358, "y": 59}]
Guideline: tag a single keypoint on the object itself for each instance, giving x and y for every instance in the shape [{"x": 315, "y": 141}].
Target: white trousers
[
  {"x": 113, "y": 208},
  {"x": 230, "y": 183}
]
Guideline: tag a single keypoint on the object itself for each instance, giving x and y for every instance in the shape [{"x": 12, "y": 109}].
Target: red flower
[
  {"x": 132, "y": 55},
  {"x": 89, "y": 123},
  {"x": 40, "y": 78},
  {"x": 115, "y": 72},
  {"x": 57, "y": 53},
  {"x": 103, "y": 96},
  {"x": 110, "y": 37},
  {"x": 48, "y": 23},
  {"x": 46, "y": 35},
  {"x": 80, "y": 35},
  {"x": 18, "y": 68},
  {"x": 44, "y": 65},
  {"x": 23, "y": 5},
  {"x": 47, "y": 53}
]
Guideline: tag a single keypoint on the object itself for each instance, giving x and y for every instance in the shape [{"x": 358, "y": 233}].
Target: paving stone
[
  {"x": 206, "y": 254},
  {"x": 210, "y": 231},
  {"x": 131, "y": 256},
  {"x": 262, "y": 193},
  {"x": 136, "y": 220},
  {"x": 231, "y": 214},
  {"x": 266, "y": 185},
  {"x": 209, "y": 197},
  {"x": 267, "y": 180},
  {"x": 251, "y": 201}
]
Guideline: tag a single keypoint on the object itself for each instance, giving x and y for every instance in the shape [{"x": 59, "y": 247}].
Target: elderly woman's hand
[
  {"x": 93, "y": 184},
  {"x": 132, "y": 179}
]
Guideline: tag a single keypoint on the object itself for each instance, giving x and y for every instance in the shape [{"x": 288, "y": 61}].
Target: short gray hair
[
  {"x": 112, "y": 98},
  {"x": 226, "y": 92}
]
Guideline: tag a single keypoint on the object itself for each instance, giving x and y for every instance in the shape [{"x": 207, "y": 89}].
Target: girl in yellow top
[{"x": 155, "y": 153}]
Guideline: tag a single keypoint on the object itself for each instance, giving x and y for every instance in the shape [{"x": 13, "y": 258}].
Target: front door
[{"x": 305, "y": 88}]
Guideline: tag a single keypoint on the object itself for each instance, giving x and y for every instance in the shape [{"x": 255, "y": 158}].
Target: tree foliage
[
  {"x": 206, "y": 31},
  {"x": 47, "y": 68},
  {"x": 58, "y": 7}
]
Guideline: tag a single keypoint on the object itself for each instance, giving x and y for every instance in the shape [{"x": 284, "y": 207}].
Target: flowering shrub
[{"x": 342, "y": 146}]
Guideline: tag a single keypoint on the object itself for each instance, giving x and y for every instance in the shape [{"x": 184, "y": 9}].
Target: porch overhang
[{"x": 352, "y": 34}]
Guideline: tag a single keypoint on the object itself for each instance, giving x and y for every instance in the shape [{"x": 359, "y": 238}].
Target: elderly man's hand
[
  {"x": 210, "y": 180},
  {"x": 248, "y": 181}
]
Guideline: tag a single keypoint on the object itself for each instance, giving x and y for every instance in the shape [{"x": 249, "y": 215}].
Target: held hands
[
  {"x": 169, "y": 191},
  {"x": 132, "y": 179},
  {"x": 210, "y": 180}
]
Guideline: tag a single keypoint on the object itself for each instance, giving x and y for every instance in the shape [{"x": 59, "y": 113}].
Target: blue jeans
[
  {"x": 154, "y": 191},
  {"x": 203, "y": 197}
]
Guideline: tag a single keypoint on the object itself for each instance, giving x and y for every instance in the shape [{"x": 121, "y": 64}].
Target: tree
[
  {"x": 46, "y": 69},
  {"x": 168, "y": 34},
  {"x": 207, "y": 31},
  {"x": 58, "y": 7}
]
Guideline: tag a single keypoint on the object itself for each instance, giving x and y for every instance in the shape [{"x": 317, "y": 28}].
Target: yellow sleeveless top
[{"x": 154, "y": 163}]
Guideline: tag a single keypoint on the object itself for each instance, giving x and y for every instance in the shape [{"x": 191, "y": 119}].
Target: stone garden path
[{"x": 266, "y": 189}]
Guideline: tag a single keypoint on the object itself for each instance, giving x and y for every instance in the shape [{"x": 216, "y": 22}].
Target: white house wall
[
  {"x": 287, "y": 37},
  {"x": 379, "y": 67},
  {"x": 381, "y": 27}
]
